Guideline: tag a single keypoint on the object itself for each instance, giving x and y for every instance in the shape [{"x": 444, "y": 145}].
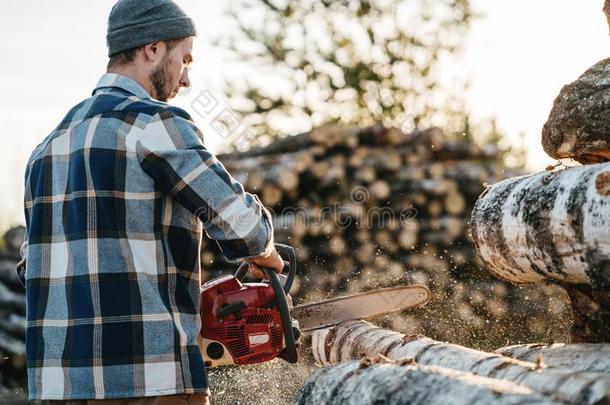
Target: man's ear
[{"x": 154, "y": 51}]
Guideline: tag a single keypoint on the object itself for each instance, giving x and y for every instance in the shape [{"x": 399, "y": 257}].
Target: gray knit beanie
[{"x": 133, "y": 23}]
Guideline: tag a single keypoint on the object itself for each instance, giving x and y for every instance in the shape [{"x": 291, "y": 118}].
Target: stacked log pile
[
  {"x": 374, "y": 207},
  {"x": 416, "y": 369},
  {"x": 12, "y": 317}
]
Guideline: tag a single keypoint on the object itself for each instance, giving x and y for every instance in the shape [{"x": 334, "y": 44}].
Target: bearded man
[{"x": 117, "y": 198}]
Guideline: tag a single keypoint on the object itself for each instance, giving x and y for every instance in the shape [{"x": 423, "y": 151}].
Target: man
[{"x": 116, "y": 201}]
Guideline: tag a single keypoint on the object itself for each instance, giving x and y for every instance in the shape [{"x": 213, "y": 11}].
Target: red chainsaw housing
[{"x": 252, "y": 335}]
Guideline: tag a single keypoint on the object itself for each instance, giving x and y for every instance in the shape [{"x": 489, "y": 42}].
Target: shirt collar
[{"x": 109, "y": 80}]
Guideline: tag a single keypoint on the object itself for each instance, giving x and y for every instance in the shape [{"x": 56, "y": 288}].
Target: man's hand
[{"x": 270, "y": 259}]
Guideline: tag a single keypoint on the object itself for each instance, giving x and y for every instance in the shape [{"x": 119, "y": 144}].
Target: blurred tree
[{"x": 314, "y": 62}]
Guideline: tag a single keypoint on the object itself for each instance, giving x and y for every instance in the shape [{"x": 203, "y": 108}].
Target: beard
[{"x": 159, "y": 79}]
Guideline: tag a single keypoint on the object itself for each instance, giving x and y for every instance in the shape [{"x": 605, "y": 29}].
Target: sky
[{"x": 518, "y": 55}]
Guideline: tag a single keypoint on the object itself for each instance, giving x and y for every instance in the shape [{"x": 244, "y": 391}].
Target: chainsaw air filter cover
[
  {"x": 247, "y": 323},
  {"x": 245, "y": 332}
]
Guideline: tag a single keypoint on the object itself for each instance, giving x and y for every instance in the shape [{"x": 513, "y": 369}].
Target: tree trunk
[
  {"x": 379, "y": 381},
  {"x": 592, "y": 357},
  {"x": 553, "y": 225},
  {"x": 356, "y": 339}
]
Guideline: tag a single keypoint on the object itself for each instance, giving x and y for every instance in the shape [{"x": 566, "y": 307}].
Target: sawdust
[{"x": 272, "y": 383}]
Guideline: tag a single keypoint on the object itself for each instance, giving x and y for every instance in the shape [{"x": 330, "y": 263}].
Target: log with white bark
[
  {"x": 379, "y": 381},
  {"x": 356, "y": 339},
  {"x": 550, "y": 225},
  {"x": 593, "y": 357}
]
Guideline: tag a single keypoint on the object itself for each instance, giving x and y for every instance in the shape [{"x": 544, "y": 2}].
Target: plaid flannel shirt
[{"x": 116, "y": 200}]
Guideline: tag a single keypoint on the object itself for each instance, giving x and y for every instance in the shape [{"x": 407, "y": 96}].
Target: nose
[{"x": 184, "y": 79}]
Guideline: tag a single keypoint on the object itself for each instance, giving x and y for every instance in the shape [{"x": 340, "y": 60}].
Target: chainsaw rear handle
[
  {"x": 290, "y": 352},
  {"x": 280, "y": 302},
  {"x": 286, "y": 252}
]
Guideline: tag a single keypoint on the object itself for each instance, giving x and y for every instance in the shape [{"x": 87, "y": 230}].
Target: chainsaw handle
[
  {"x": 285, "y": 251},
  {"x": 290, "y": 353}
]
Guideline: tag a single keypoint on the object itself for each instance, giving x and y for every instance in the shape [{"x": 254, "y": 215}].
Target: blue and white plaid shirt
[{"x": 116, "y": 201}]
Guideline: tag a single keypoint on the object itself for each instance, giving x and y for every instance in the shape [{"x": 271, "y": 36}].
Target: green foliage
[{"x": 357, "y": 62}]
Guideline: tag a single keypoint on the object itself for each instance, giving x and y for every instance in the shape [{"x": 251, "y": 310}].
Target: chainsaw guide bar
[
  {"x": 365, "y": 305},
  {"x": 250, "y": 323}
]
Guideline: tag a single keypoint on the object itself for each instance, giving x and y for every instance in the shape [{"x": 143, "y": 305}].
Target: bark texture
[
  {"x": 594, "y": 357},
  {"x": 578, "y": 126},
  {"x": 357, "y": 339},
  {"x": 547, "y": 226},
  {"x": 380, "y": 381}
]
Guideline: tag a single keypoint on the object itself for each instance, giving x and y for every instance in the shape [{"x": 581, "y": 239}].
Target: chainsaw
[{"x": 249, "y": 323}]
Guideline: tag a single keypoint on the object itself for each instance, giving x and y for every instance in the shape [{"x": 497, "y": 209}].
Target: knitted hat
[{"x": 133, "y": 23}]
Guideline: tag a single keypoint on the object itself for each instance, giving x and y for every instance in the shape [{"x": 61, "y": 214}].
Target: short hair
[{"x": 129, "y": 55}]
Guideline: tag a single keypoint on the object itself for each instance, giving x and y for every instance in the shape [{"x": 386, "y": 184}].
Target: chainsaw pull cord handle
[
  {"x": 290, "y": 352},
  {"x": 286, "y": 252}
]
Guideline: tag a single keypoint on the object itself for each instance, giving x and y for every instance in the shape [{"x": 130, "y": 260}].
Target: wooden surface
[
  {"x": 380, "y": 381},
  {"x": 357, "y": 339},
  {"x": 578, "y": 357},
  {"x": 547, "y": 226}
]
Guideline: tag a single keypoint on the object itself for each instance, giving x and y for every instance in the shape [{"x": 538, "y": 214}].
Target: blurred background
[
  {"x": 404, "y": 110},
  {"x": 514, "y": 57}
]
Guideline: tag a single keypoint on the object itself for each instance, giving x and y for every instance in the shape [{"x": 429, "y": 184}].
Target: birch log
[
  {"x": 578, "y": 126},
  {"x": 593, "y": 357},
  {"x": 357, "y": 339},
  {"x": 380, "y": 381},
  {"x": 553, "y": 225}
]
